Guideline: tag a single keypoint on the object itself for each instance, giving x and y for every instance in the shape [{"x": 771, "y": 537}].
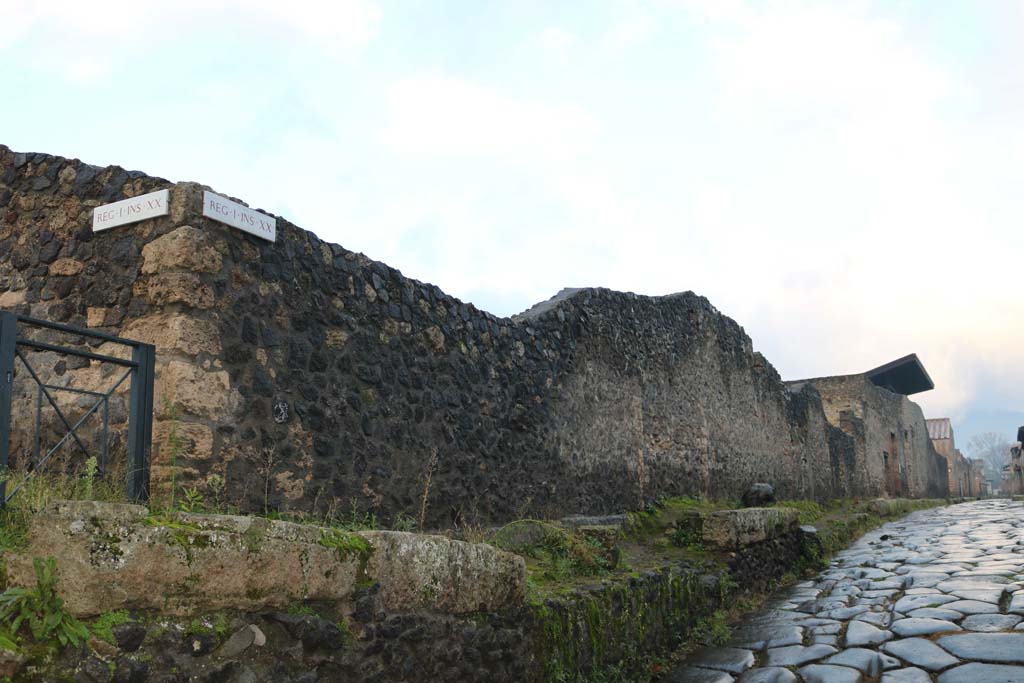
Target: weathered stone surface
[
  {"x": 908, "y": 675},
  {"x": 983, "y": 673},
  {"x": 768, "y": 674},
  {"x": 697, "y": 675},
  {"x": 194, "y": 441},
  {"x": 824, "y": 673},
  {"x": 185, "y": 248},
  {"x": 990, "y": 622},
  {"x": 176, "y": 333},
  {"x": 868, "y": 662},
  {"x": 194, "y": 391},
  {"x": 66, "y": 266},
  {"x": 164, "y": 289},
  {"x": 921, "y": 652},
  {"x": 735, "y": 528},
  {"x": 1000, "y": 648},
  {"x": 861, "y": 633},
  {"x": 118, "y": 556},
  {"x": 795, "y": 655},
  {"x": 730, "y": 659},
  {"x": 919, "y": 627}
]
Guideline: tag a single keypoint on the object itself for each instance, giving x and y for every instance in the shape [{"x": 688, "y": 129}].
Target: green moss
[
  {"x": 215, "y": 624},
  {"x": 103, "y": 626},
  {"x": 300, "y": 608},
  {"x": 809, "y": 511},
  {"x": 254, "y": 536},
  {"x": 346, "y": 544}
]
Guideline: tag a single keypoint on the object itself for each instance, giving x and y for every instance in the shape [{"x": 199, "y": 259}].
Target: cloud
[
  {"x": 107, "y": 27},
  {"x": 446, "y": 116}
]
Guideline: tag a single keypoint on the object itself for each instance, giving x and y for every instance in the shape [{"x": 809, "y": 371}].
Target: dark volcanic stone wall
[{"x": 300, "y": 375}]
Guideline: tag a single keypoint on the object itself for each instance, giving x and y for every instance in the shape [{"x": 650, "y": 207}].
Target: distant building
[
  {"x": 958, "y": 469},
  {"x": 1013, "y": 470}
]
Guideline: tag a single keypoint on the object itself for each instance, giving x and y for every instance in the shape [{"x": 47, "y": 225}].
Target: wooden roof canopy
[{"x": 902, "y": 376}]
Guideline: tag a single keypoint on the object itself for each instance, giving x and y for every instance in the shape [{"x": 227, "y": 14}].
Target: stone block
[
  {"x": 186, "y": 248},
  {"x": 194, "y": 441},
  {"x": 170, "y": 332},
  {"x": 176, "y": 288},
  {"x": 118, "y": 556},
  {"x": 737, "y": 528},
  {"x": 11, "y": 299},
  {"x": 194, "y": 391},
  {"x": 66, "y": 266}
]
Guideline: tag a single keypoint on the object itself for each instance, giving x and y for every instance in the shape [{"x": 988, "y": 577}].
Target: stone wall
[
  {"x": 886, "y": 428},
  {"x": 300, "y": 375}
]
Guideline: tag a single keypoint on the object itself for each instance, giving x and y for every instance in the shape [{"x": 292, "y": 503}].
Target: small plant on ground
[
  {"x": 41, "y": 610},
  {"x": 713, "y": 629}
]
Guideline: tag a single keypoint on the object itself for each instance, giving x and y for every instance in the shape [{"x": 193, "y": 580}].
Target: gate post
[
  {"x": 8, "y": 338},
  {"x": 140, "y": 431}
]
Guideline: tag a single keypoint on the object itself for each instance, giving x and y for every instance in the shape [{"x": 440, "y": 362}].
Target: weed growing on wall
[
  {"x": 40, "y": 610},
  {"x": 427, "y": 478}
]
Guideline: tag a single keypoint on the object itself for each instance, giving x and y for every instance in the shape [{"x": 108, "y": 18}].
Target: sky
[{"x": 842, "y": 178}]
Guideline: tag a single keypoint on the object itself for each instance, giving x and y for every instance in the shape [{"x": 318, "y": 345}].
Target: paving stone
[
  {"x": 862, "y": 633},
  {"x": 913, "y": 602},
  {"x": 973, "y": 607},
  {"x": 984, "y": 673},
  {"x": 730, "y": 659},
  {"x": 754, "y": 638},
  {"x": 692, "y": 674},
  {"x": 908, "y": 675},
  {"x": 1000, "y": 648},
  {"x": 880, "y": 619},
  {"x": 990, "y": 622},
  {"x": 824, "y": 673},
  {"x": 768, "y": 674},
  {"x": 936, "y": 613},
  {"x": 795, "y": 655},
  {"x": 918, "y": 627},
  {"x": 917, "y": 601},
  {"x": 866, "y": 661},
  {"x": 921, "y": 652}
]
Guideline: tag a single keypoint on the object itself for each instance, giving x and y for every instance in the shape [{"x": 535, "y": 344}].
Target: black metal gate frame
[{"x": 140, "y": 421}]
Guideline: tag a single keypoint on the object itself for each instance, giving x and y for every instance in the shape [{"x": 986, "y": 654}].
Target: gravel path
[{"x": 936, "y": 596}]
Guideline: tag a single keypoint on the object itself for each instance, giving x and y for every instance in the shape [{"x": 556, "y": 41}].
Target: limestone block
[
  {"x": 66, "y": 266},
  {"x": 10, "y": 299},
  {"x": 194, "y": 391},
  {"x": 194, "y": 441},
  {"x": 117, "y": 556},
  {"x": 186, "y": 248},
  {"x": 174, "y": 288},
  {"x": 176, "y": 332},
  {"x": 737, "y": 528}
]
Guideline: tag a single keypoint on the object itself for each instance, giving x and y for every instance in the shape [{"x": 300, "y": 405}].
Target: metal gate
[{"x": 138, "y": 371}]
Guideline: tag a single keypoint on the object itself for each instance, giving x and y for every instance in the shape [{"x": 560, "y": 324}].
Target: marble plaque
[{"x": 131, "y": 210}]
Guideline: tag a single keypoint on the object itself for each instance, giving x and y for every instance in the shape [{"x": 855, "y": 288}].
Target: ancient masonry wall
[
  {"x": 881, "y": 422},
  {"x": 298, "y": 374}
]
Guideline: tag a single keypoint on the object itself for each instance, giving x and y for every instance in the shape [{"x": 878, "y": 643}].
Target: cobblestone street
[{"x": 935, "y": 596}]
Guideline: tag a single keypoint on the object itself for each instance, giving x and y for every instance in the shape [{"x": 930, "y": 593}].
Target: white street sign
[
  {"x": 234, "y": 214},
  {"x": 130, "y": 210}
]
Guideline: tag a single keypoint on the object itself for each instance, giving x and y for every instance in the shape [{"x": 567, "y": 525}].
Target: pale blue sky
[{"x": 842, "y": 178}]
